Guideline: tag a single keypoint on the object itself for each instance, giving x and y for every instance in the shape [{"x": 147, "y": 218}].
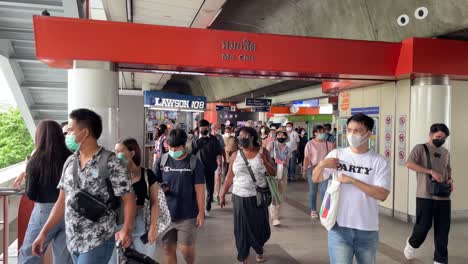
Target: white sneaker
[
  {"x": 410, "y": 252},
  {"x": 207, "y": 213},
  {"x": 276, "y": 222},
  {"x": 435, "y": 262}
]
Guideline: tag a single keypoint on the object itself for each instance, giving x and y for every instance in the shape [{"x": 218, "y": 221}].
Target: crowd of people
[{"x": 87, "y": 198}]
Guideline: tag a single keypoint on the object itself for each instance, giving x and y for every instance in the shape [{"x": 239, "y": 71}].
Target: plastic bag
[{"x": 331, "y": 201}]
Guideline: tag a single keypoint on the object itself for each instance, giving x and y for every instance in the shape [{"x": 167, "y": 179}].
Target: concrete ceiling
[
  {"x": 39, "y": 91},
  {"x": 344, "y": 19}
]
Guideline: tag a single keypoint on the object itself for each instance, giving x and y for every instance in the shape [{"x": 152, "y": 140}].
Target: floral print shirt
[{"x": 82, "y": 234}]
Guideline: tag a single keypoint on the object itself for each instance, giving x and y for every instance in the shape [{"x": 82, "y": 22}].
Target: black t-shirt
[
  {"x": 181, "y": 197},
  {"x": 207, "y": 149},
  {"x": 139, "y": 187}
]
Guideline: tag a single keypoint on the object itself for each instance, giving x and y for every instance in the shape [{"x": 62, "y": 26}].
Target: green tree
[{"x": 15, "y": 142}]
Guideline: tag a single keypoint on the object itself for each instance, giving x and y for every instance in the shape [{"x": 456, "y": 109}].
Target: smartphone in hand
[{"x": 144, "y": 238}]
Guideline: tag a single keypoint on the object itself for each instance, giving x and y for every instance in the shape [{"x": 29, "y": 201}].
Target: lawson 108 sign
[{"x": 174, "y": 101}]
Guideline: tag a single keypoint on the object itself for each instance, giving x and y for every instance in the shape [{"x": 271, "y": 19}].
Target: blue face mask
[
  {"x": 122, "y": 157},
  {"x": 176, "y": 154},
  {"x": 322, "y": 136},
  {"x": 70, "y": 142}
]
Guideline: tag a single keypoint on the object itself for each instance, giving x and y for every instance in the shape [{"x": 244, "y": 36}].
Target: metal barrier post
[{"x": 5, "y": 229}]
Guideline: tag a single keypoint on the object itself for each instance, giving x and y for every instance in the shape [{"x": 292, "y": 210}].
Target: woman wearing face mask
[
  {"x": 302, "y": 143},
  {"x": 281, "y": 155},
  {"x": 147, "y": 207},
  {"x": 251, "y": 225},
  {"x": 315, "y": 151},
  {"x": 271, "y": 138},
  {"x": 264, "y": 132},
  {"x": 43, "y": 172}
]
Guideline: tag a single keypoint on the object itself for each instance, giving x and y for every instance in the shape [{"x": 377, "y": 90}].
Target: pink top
[{"x": 316, "y": 151}]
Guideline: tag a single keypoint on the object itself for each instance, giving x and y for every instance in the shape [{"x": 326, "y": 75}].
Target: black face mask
[
  {"x": 244, "y": 142},
  {"x": 438, "y": 142},
  {"x": 281, "y": 140},
  {"x": 204, "y": 132}
]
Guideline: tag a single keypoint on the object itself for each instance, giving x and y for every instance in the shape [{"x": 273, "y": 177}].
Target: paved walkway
[{"x": 301, "y": 240}]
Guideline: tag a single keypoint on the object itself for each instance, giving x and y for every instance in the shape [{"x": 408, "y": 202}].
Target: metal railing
[{"x": 6, "y": 192}]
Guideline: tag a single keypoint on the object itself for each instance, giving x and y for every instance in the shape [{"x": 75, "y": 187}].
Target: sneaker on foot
[
  {"x": 276, "y": 222},
  {"x": 313, "y": 215},
  {"x": 435, "y": 262},
  {"x": 410, "y": 252},
  {"x": 207, "y": 213}
]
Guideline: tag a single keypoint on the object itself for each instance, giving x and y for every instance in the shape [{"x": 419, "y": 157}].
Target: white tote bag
[
  {"x": 331, "y": 201},
  {"x": 164, "y": 219}
]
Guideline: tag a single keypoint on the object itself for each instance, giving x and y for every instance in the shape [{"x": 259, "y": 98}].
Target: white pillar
[
  {"x": 96, "y": 88},
  {"x": 430, "y": 103}
]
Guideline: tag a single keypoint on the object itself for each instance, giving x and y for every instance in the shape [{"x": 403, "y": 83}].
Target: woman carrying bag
[
  {"x": 281, "y": 155},
  {"x": 247, "y": 170},
  {"x": 145, "y": 229}
]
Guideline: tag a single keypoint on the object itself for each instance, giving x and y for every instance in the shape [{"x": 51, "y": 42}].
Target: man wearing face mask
[
  {"x": 365, "y": 180},
  {"x": 90, "y": 241},
  {"x": 431, "y": 162},
  {"x": 207, "y": 148},
  {"x": 330, "y": 135},
  {"x": 293, "y": 145},
  {"x": 184, "y": 175}
]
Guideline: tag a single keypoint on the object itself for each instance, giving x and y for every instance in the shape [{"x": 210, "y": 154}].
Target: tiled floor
[{"x": 301, "y": 240}]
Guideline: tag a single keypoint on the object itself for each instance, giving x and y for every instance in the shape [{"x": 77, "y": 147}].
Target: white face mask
[
  {"x": 289, "y": 129},
  {"x": 356, "y": 140},
  {"x": 262, "y": 130}
]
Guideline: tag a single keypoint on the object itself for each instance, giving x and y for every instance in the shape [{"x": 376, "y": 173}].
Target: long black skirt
[{"x": 251, "y": 226}]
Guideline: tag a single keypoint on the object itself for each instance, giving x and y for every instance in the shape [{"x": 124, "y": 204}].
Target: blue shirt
[{"x": 181, "y": 197}]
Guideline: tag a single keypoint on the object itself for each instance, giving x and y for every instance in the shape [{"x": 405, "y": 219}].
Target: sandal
[
  {"x": 260, "y": 259},
  {"x": 313, "y": 215}
]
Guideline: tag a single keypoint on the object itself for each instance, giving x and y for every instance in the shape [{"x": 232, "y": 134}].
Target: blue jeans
[
  {"x": 98, "y": 255},
  {"x": 39, "y": 216},
  {"x": 138, "y": 231},
  {"x": 292, "y": 166},
  {"x": 313, "y": 189},
  {"x": 345, "y": 243}
]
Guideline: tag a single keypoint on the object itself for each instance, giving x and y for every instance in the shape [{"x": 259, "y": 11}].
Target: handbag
[
  {"x": 88, "y": 205},
  {"x": 263, "y": 193},
  {"x": 440, "y": 189}
]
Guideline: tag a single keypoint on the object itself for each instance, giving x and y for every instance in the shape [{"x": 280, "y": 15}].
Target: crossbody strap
[
  {"x": 428, "y": 158},
  {"x": 76, "y": 165},
  {"x": 248, "y": 166},
  {"x": 145, "y": 174}
]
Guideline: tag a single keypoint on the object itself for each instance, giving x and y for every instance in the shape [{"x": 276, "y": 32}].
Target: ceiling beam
[{"x": 30, "y": 5}]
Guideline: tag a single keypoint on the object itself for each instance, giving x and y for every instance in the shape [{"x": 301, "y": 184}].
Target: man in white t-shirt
[
  {"x": 293, "y": 145},
  {"x": 365, "y": 180}
]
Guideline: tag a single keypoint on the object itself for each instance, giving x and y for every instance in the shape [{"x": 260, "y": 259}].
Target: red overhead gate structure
[{"x": 152, "y": 48}]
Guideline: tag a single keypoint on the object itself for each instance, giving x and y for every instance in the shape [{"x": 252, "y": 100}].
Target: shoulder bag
[
  {"x": 263, "y": 193},
  {"x": 440, "y": 189}
]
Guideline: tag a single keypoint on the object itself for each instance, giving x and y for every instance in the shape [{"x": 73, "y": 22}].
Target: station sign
[
  {"x": 174, "y": 101},
  {"x": 262, "y": 109},
  {"x": 220, "y": 108},
  {"x": 257, "y": 102},
  {"x": 374, "y": 110}
]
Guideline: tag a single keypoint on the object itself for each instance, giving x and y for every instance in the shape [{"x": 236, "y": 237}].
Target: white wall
[
  {"x": 131, "y": 118},
  {"x": 459, "y": 144}
]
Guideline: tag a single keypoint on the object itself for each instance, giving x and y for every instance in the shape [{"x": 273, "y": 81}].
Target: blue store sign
[
  {"x": 174, "y": 101},
  {"x": 374, "y": 110}
]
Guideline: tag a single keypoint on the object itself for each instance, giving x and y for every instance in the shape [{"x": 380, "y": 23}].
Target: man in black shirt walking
[{"x": 207, "y": 148}]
